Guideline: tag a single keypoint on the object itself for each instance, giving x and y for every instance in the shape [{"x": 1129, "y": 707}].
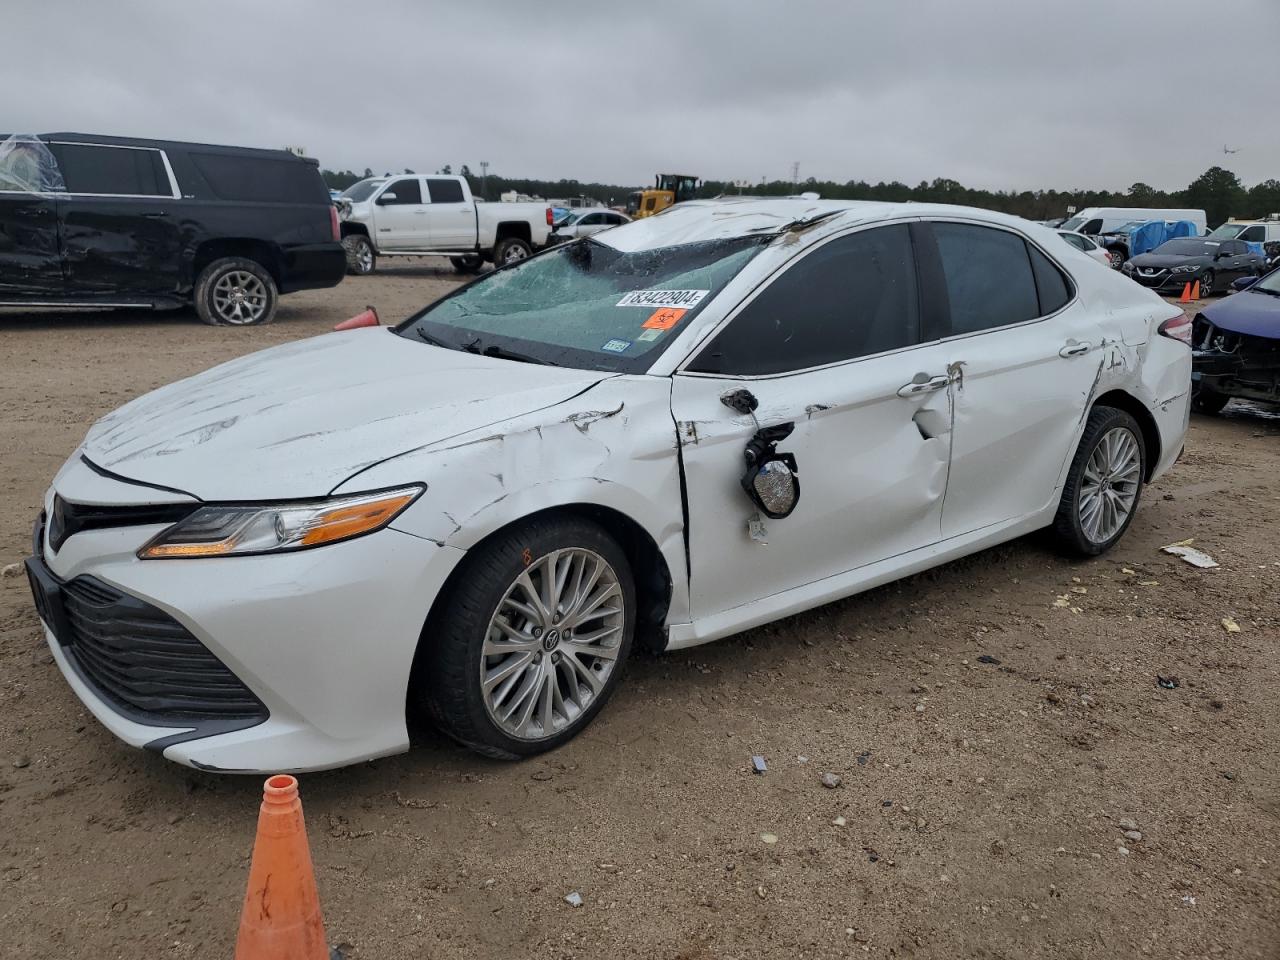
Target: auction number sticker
[
  {"x": 663, "y": 298},
  {"x": 617, "y": 346}
]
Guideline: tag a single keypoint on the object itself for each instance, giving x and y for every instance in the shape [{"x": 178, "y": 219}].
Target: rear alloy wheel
[
  {"x": 511, "y": 250},
  {"x": 1103, "y": 485},
  {"x": 361, "y": 259},
  {"x": 1206, "y": 285},
  {"x": 533, "y": 638},
  {"x": 235, "y": 292}
]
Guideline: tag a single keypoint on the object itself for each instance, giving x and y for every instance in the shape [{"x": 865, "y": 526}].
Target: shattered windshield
[
  {"x": 1073, "y": 224},
  {"x": 1229, "y": 231},
  {"x": 585, "y": 304},
  {"x": 361, "y": 191}
]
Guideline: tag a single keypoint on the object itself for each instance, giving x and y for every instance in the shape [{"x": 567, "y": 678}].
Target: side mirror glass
[
  {"x": 386, "y": 198},
  {"x": 774, "y": 486}
]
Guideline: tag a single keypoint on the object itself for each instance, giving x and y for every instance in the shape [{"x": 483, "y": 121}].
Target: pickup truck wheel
[
  {"x": 1117, "y": 258},
  {"x": 511, "y": 250},
  {"x": 468, "y": 264},
  {"x": 361, "y": 259},
  {"x": 235, "y": 292}
]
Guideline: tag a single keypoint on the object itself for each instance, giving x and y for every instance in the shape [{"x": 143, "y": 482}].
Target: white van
[
  {"x": 1095, "y": 220},
  {"x": 1250, "y": 231}
]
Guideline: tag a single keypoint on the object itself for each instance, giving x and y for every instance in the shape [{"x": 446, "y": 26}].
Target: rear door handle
[
  {"x": 923, "y": 383},
  {"x": 1074, "y": 348}
]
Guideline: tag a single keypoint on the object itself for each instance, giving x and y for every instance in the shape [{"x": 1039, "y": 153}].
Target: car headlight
[
  {"x": 1184, "y": 269},
  {"x": 236, "y": 529}
]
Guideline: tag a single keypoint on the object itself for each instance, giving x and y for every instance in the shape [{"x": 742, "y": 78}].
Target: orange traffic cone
[
  {"x": 1195, "y": 291},
  {"x": 281, "y": 915},
  {"x": 1185, "y": 298},
  {"x": 368, "y": 318}
]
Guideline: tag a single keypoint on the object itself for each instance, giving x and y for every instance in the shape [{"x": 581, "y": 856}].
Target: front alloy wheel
[
  {"x": 552, "y": 644},
  {"x": 530, "y": 639},
  {"x": 1206, "y": 285}
]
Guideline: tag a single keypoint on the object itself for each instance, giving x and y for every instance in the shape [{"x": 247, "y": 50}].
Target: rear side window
[
  {"x": 407, "y": 191},
  {"x": 1053, "y": 288},
  {"x": 260, "y": 179},
  {"x": 988, "y": 277},
  {"x": 445, "y": 191},
  {"x": 126, "y": 171},
  {"x": 851, "y": 297}
]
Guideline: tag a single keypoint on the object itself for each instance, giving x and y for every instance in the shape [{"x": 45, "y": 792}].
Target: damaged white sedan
[{"x": 480, "y": 511}]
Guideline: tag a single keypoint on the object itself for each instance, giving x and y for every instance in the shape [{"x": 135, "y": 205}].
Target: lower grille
[{"x": 144, "y": 661}]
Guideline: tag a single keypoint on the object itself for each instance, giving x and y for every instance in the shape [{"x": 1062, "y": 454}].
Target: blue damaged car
[{"x": 1236, "y": 344}]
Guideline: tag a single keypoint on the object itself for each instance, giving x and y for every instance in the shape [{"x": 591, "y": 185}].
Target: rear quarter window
[{"x": 260, "y": 179}]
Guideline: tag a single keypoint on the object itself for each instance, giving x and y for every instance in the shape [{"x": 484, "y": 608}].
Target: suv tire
[{"x": 236, "y": 292}]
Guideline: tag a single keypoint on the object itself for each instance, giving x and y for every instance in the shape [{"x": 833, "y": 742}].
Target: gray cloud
[{"x": 993, "y": 93}]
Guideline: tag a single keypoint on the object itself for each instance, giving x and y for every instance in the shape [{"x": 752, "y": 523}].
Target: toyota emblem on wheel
[{"x": 550, "y": 639}]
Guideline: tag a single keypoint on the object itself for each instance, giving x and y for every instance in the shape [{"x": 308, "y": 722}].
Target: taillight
[
  {"x": 550, "y": 219},
  {"x": 333, "y": 222},
  {"x": 1177, "y": 328}
]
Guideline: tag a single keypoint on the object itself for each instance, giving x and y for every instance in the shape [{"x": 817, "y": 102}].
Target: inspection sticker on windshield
[
  {"x": 664, "y": 319},
  {"x": 649, "y": 335},
  {"x": 617, "y": 346},
  {"x": 663, "y": 298}
]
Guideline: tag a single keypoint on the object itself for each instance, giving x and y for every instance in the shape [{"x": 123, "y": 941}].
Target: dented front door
[{"x": 871, "y": 441}]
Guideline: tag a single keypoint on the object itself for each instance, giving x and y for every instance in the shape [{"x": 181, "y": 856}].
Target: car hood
[
  {"x": 299, "y": 419},
  {"x": 1249, "y": 312},
  {"x": 1167, "y": 260}
]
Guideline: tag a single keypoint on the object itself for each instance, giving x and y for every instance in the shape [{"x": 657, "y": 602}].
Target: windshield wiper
[
  {"x": 502, "y": 353},
  {"x": 434, "y": 341}
]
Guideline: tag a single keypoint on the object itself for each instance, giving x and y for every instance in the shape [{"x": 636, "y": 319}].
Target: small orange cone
[
  {"x": 1195, "y": 291},
  {"x": 368, "y": 318},
  {"x": 1185, "y": 298},
  {"x": 281, "y": 915}
]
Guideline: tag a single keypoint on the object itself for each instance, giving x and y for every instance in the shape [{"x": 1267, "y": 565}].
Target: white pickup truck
[{"x": 435, "y": 216}]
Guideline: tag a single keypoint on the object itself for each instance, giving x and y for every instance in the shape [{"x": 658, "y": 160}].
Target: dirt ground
[{"x": 982, "y": 799}]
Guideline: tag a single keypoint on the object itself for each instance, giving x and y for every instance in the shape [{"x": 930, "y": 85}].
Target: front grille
[
  {"x": 144, "y": 661},
  {"x": 69, "y": 518}
]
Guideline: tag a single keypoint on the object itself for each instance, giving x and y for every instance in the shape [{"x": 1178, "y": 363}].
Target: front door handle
[
  {"x": 1075, "y": 348},
  {"x": 419, "y": 213},
  {"x": 923, "y": 383}
]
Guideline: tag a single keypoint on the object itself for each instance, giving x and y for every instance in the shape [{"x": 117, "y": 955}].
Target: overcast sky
[{"x": 994, "y": 93}]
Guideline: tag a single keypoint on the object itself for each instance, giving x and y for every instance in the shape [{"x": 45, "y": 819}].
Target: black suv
[{"x": 119, "y": 222}]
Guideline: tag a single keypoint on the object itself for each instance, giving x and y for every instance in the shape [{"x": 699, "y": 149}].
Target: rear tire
[
  {"x": 511, "y": 250},
  {"x": 361, "y": 259},
  {"x": 1106, "y": 475},
  {"x": 471, "y": 263},
  {"x": 235, "y": 292},
  {"x": 475, "y": 632}
]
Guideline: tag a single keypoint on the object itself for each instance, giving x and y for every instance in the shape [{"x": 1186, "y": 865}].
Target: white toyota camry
[{"x": 688, "y": 426}]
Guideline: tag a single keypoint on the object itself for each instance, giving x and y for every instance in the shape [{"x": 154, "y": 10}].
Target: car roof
[
  {"x": 724, "y": 218},
  {"x": 171, "y": 144}
]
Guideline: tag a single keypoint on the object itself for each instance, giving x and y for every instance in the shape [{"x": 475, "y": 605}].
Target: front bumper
[
  {"x": 1165, "y": 282},
  {"x": 322, "y": 639}
]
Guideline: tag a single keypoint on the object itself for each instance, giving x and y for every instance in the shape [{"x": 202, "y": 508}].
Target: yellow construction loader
[{"x": 668, "y": 188}]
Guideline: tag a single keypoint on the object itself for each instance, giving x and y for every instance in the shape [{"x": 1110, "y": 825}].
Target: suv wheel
[
  {"x": 1103, "y": 485},
  {"x": 235, "y": 292},
  {"x": 532, "y": 639},
  {"x": 511, "y": 250},
  {"x": 361, "y": 259}
]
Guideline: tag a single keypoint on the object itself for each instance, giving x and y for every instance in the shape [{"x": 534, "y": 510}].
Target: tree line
[{"x": 1217, "y": 191}]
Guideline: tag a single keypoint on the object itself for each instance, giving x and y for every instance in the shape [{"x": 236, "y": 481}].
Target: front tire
[
  {"x": 511, "y": 250},
  {"x": 532, "y": 638},
  {"x": 1206, "y": 285},
  {"x": 235, "y": 292},
  {"x": 1116, "y": 257},
  {"x": 361, "y": 259},
  {"x": 1103, "y": 485}
]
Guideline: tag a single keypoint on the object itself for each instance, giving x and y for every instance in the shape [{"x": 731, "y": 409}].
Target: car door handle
[
  {"x": 157, "y": 215},
  {"x": 419, "y": 213},
  {"x": 923, "y": 383},
  {"x": 1075, "y": 349}
]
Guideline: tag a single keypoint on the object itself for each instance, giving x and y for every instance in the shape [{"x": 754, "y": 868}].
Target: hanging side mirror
[{"x": 771, "y": 479}]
